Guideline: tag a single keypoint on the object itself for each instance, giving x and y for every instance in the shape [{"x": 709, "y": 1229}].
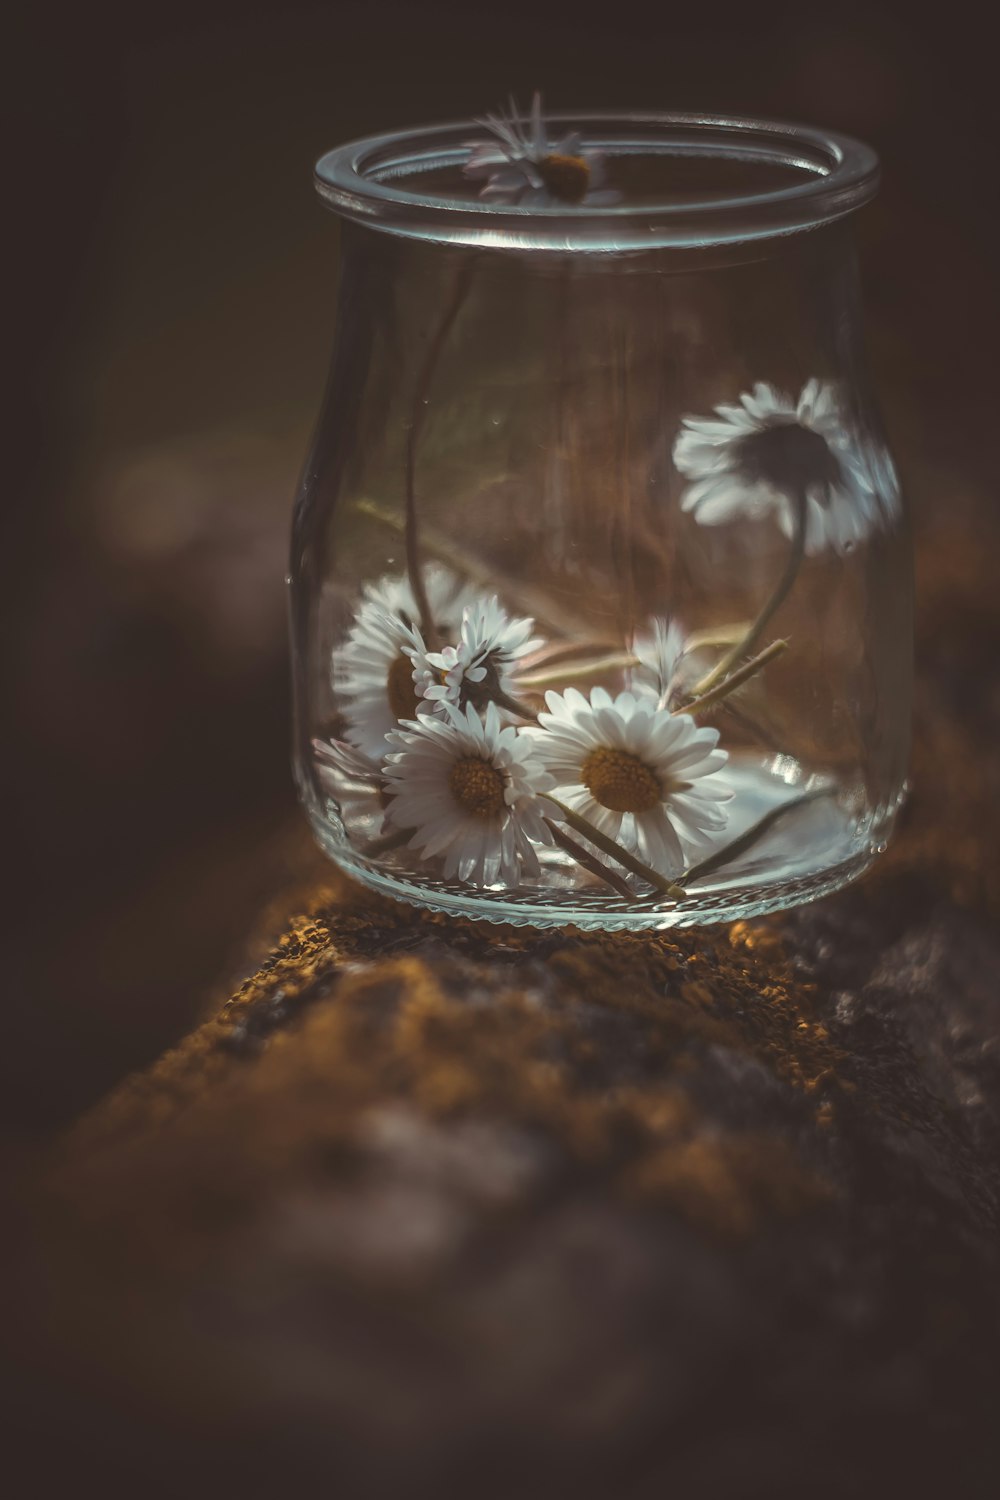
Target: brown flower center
[
  {"x": 620, "y": 781},
  {"x": 566, "y": 177},
  {"x": 400, "y": 689},
  {"x": 477, "y": 786}
]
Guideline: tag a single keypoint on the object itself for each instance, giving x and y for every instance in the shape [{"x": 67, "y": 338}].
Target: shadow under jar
[{"x": 601, "y": 577}]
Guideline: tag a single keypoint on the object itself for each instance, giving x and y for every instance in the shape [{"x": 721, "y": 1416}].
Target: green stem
[
  {"x": 578, "y": 670},
  {"x": 513, "y": 705},
  {"x": 716, "y": 635},
  {"x": 796, "y": 552},
  {"x": 614, "y": 851},
  {"x": 458, "y": 295},
  {"x": 735, "y": 679},
  {"x": 752, "y": 836},
  {"x": 587, "y": 860}
]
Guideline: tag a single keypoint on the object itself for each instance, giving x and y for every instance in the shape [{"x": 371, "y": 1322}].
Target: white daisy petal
[
  {"x": 704, "y": 456},
  {"x": 523, "y": 852},
  {"x": 657, "y": 839},
  {"x": 716, "y": 507}
]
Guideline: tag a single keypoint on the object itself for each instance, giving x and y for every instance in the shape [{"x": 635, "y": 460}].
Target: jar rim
[{"x": 362, "y": 180}]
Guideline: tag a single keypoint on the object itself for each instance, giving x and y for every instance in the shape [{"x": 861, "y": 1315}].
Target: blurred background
[{"x": 171, "y": 308}]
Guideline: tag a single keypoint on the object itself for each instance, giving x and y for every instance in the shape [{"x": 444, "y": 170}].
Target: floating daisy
[
  {"x": 470, "y": 790},
  {"x": 642, "y": 776},
  {"x": 480, "y": 669},
  {"x": 373, "y": 673},
  {"x": 757, "y": 458},
  {"x": 660, "y": 650},
  {"x": 519, "y": 165}
]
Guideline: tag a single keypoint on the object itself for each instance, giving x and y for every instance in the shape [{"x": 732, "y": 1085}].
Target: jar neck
[{"x": 673, "y": 180}]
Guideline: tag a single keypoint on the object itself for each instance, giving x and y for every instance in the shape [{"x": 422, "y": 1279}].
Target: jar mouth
[{"x": 688, "y": 180}]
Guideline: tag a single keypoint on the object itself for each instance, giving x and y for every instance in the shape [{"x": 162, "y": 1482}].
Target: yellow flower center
[
  {"x": 400, "y": 689},
  {"x": 477, "y": 786},
  {"x": 620, "y": 781},
  {"x": 566, "y": 177}
]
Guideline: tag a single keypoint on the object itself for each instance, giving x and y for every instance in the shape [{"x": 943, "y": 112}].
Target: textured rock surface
[{"x": 431, "y": 1209}]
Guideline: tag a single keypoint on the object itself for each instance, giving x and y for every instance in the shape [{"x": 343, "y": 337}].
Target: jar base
[
  {"x": 816, "y": 846},
  {"x": 696, "y": 912}
]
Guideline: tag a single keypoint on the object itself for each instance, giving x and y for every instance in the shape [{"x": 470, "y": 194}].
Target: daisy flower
[
  {"x": 373, "y": 671},
  {"x": 469, "y": 788},
  {"x": 374, "y": 676},
  {"x": 482, "y": 666},
  {"x": 755, "y": 459},
  {"x": 519, "y": 165},
  {"x": 660, "y": 651},
  {"x": 641, "y": 775}
]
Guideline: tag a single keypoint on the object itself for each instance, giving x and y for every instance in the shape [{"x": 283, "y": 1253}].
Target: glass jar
[{"x": 601, "y": 578}]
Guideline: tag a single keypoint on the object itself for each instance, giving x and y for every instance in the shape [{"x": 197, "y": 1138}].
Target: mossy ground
[{"x": 475, "y": 1209}]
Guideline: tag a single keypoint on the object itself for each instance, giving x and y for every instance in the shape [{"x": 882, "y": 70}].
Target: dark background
[{"x": 171, "y": 298}]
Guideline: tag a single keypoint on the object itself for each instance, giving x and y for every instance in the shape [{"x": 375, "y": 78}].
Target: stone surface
[{"x": 429, "y": 1208}]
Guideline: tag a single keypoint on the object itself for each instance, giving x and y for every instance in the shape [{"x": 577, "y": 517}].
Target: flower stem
[
  {"x": 716, "y": 635},
  {"x": 752, "y": 835},
  {"x": 513, "y": 705},
  {"x": 587, "y": 860},
  {"x": 796, "y": 552},
  {"x": 735, "y": 679},
  {"x": 545, "y": 658},
  {"x": 530, "y": 601},
  {"x": 614, "y": 851},
  {"x": 453, "y": 306},
  {"x": 578, "y": 670}
]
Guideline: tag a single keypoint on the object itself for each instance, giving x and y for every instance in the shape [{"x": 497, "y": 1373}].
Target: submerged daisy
[
  {"x": 641, "y": 775},
  {"x": 769, "y": 455},
  {"x": 470, "y": 790},
  {"x": 373, "y": 673},
  {"x": 481, "y": 667},
  {"x": 519, "y": 165}
]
